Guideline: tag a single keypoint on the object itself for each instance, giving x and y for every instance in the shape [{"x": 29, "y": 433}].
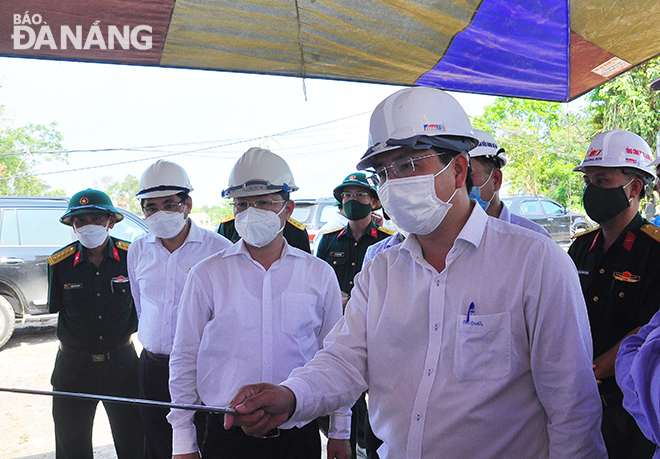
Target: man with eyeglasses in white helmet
[
  {"x": 471, "y": 335},
  {"x": 619, "y": 271},
  {"x": 158, "y": 266},
  {"x": 254, "y": 312}
]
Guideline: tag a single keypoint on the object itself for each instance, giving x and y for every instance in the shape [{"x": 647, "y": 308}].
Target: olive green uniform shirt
[
  {"x": 95, "y": 306},
  {"x": 339, "y": 248}
]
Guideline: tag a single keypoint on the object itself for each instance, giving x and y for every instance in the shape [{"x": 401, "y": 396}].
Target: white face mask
[
  {"x": 91, "y": 236},
  {"x": 412, "y": 204},
  {"x": 258, "y": 226},
  {"x": 166, "y": 225}
]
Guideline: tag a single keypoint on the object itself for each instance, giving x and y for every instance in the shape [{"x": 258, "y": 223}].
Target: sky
[{"x": 202, "y": 120}]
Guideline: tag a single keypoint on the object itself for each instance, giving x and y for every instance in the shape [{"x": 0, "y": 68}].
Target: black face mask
[
  {"x": 603, "y": 204},
  {"x": 355, "y": 210}
]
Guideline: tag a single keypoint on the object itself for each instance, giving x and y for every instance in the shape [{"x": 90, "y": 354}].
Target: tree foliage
[
  {"x": 19, "y": 155},
  {"x": 627, "y": 102},
  {"x": 122, "y": 193},
  {"x": 543, "y": 141}
]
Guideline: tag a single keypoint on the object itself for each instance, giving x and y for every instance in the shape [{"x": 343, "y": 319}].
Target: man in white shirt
[
  {"x": 455, "y": 367},
  {"x": 253, "y": 312},
  {"x": 158, "y": 266}
]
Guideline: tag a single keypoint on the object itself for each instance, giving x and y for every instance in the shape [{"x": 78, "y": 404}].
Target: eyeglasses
[
  {"x": 359, "y": 195},
  {"x": 402, "y": 167},
  {"x": 264, "y": 204},
  {"x": 153, "y": 208}
]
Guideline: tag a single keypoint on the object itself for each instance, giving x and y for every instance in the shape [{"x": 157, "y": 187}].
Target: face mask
[
  {"x": 166, "y": 225},
  {"x": 603, "y": 204},
  {"x": 258, "y": 226},
  {"x": 475, "y": 193},
  {"x": 412, "y": 204},
  {"x": 91, "y": 236},
  {"x": 355, "y": 210}
]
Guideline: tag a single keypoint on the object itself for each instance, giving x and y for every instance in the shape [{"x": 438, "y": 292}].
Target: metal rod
[{"x": 133, "y": 401}]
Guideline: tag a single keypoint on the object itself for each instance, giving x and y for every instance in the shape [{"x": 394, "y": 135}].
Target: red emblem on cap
[
  {"x": 84, "y": 201},
  {"x": 352, "y": 177}
]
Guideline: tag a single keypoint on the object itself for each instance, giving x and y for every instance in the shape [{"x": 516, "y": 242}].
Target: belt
[
  {"x": 95, "y": 358},
  {"x": 160, "y": 359}
]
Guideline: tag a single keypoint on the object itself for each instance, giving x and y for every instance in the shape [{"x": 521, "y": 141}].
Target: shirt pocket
[
  {"x": 300, "y": 318},
  {"x": 483, "y": 347}
]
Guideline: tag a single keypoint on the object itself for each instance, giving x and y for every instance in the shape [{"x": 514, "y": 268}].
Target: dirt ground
[{"x": 26, "y": 423}]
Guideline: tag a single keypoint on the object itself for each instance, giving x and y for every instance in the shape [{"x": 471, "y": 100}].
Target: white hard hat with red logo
[
  {"x": 259, "y": 172},
  {"x": 620, "y": 149},
  {"x": 489, "y": 148},
  {"x": 420, "y": 118}
]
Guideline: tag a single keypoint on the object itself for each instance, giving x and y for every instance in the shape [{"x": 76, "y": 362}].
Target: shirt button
[
  {"x": 351, "y": 282},
  {"x": 98, "y": 294},
  {"x": 334, "y": 262},
  {"x": 100, "y": 337},
  {"x": 100, "y": 317},
  {"x": 418, "y": 417},
  {"x": 352, "y": 264},
  {"x": 595, "y": 298},
  {"x": 437, "y": 283},
  {"x": 266, "y": 362},
  {"x": 429, "y": 371},
  {"x": 98, "y": 273},
  {"x": 265, "y": 332},
  {"x": 621, "y": 294},
  {"x": 601, "y": 270}
]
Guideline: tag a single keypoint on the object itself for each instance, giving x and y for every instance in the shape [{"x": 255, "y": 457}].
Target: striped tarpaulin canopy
[{"x": 541, "y": 49}]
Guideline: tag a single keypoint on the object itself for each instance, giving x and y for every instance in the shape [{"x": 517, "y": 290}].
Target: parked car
[
  {"x": 314, "y": 213},
  {"x": 560, "y": 222},
  {"x": 30, "y": 231}
]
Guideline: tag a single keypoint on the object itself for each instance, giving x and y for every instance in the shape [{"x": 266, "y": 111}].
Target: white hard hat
[
  {"x": 418, "y": 117},
  {"x": 163, "y": 178},
  {"x": 489, "y": 148},
  {"x": 620, "y": 149},
  {"x": 259, "y": 172}
]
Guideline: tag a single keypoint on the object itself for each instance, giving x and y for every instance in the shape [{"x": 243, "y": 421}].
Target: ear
[
  {"x": 112, "y": 219},
  {"x": 289, "y": 206},
  {"x": 460, "y": 166},
  {"x": 636, "y": 187},
  {"x": 497, "y": 178},
  {"x": 189, "y": 206}
]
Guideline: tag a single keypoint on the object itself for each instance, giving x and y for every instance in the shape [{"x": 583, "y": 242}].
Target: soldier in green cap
[
  {"x": 88, "y": 286},
  {"x": 344, "y": 248}
]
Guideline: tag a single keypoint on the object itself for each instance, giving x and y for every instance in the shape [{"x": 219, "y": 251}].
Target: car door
[{"x": 531, "y": 209}]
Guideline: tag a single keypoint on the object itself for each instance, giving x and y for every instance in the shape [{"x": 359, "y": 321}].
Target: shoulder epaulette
[
  {"x": 61, "y": 255},
  {"x": 586, "y": 232},
  {"x": 122, "y": 244},
  {"x": 297, "y": 224},
  {"x": 334, "y": 230},
  {"x": 651, "y": 231},
  {"x": 386, "y": 231},
  {"x": 226, "y": 218}
]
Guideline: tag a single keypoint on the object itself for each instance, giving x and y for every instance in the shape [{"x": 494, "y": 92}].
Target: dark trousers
[
  {"x": 154, "y": 385},
  {"x": 74, "y": 418},
  {"x": 623, "y": 439},
  {"x": 303, "y": 443}
]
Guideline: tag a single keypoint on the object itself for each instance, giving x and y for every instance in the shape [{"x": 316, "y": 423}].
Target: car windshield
[{"x": 302, "y": 212}]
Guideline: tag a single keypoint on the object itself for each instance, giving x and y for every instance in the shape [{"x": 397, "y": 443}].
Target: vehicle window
[
  {"x": 327, "y": 214},
  {"x": 530, "y": 207},
  {"x": 552, "y": 207},
  {"x": 127, "y": 230},
  {"x": 302, "y": 213},
  {"x": 43, "y": 227},
  {"x": 9, "y": 230}
]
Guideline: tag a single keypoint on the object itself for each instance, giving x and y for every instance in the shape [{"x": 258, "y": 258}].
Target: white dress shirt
[
  {"x": 240, "y": 324},
  {"x": 491, "y": 358},
  {"x": 157, "y": 278}
]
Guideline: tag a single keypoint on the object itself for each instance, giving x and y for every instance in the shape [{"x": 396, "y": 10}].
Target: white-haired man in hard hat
[
  {"x": 619, "y": 270},
  {"x": 471, "y": 335},
  {"x": 254, "y": 312},
  {"x": 158, "y": 266}
]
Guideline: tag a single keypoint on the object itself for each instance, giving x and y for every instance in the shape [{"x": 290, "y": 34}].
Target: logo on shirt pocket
[{"x": 483, "y": 352}]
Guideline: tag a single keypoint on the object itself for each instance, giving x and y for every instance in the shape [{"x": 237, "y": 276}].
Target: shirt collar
[
  {"x": 240, "y": 248},
  {"x": 372, "y": 231},
  {"x": 505, "y": 214},
  {"x": 110, "y": 252},
  {"x": 472, "y": 233}
]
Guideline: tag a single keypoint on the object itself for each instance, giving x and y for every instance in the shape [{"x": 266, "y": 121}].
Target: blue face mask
[{"x": 475, "y": 193}]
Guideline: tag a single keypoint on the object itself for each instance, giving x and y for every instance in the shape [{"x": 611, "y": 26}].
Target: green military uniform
[
  {"x": 339, "y": 248},
  {"x": 622, "y": 291},
  {"x": 96, "y": 320},
  {"x": 294, "y": 232}
]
